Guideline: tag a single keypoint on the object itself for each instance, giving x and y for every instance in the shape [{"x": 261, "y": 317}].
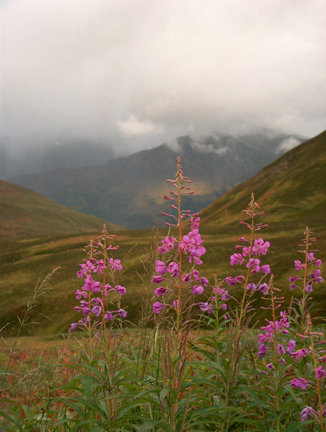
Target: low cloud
[
  {"x": 287, "y": 145},
  {"x": 132, "y": 127}
]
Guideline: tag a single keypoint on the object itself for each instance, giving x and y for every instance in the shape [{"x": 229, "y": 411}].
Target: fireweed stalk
[
  {"x": 95, "y": 307},
  {"x": 190, "y": 246},
  {"x": 311, "y": 274},
  {"x": 248, "y": 257},
  {"x": 275, "y": 334},
  {"x": 312, "y": 392},
  {"x": 181, "y": 286}
]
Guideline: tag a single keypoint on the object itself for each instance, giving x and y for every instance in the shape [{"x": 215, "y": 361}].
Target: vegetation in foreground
[{"x": 181, "y": 376}]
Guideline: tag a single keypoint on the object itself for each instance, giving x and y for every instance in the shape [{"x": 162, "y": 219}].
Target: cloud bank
[{"x": 143, "y": 72}]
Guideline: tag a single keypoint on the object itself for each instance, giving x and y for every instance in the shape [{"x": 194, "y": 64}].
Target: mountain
[
  {"x": 24, "y": 213},
  {"x": 292, "y": 190},
  {"x": 128, "y": 191}
]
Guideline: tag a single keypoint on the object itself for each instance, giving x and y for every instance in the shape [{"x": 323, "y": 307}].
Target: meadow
[{"x": 182, "y": 329}]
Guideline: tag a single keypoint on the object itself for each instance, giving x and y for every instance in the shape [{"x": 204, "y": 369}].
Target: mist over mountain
[
  {"x": 128, "y": 191},
  {"x": 43, "y": 152}
]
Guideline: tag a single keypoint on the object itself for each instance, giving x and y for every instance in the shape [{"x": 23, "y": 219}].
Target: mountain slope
[
  {"x": 290, "y": 190},
  {"x": 128, "y": 190},
  {"x": 24, "y": 213}
]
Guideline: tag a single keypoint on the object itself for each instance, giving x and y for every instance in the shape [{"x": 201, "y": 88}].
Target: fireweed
[
  {"x": 226, "y": 377},
  {"x": 95, "y": 295},
  {"x": 182, "y": 283}
]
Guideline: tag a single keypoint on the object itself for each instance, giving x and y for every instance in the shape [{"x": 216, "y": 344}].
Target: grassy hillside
[
  {"x": 24, "y": 213},
  {"x": 292, "y": 191}
]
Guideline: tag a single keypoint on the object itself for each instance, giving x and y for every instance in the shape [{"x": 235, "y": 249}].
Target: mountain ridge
[{"x": 128, "y": 190}]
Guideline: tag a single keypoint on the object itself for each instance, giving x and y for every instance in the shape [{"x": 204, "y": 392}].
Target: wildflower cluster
[
  {"x": 186, "y": 247},
  {"x": 271, "y": 331},
  {"x": 250, "y": 251},
  {"x": 93, "y": 293},
  {"x": 310, "y": 267}
]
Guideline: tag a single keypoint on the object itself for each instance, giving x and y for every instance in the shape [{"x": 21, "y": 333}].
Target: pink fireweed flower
[
  {"x": 252, "y": 287},
  {"x": 204, "y": 307},
  {"x": 173, "y": 268},
  {"x": 255, "y": 264},
  {"x": 80, "y": 294},
  {"x": 120, "y": 289},
  {"x": 157, "y": 279},
  {"x": 280, "y": 349},
  {"x": 108, "y": 316},
  {"x": 115, "y": 264},
  {"x": 230, "y": 281},
  {"x": 240, "y": 279},
  {"x": 204, "y": 282},
  {"x": 96, "y": 287},
  {"x": 293, "y": 279},
  {"x": 320, "y": 372},
  {"x": 160, "y": 267},
  {"x": 246, "y": 251},
  {"x": 100, "y": 267},
  {"x": 122, "y": 313},
  {"x": 186, "y": 278},
  {"x": 197, "y": 289},
  {"x": 309, "y": 287},
  {"x": 300, "y": 353},
  {"x": 260, "y": 247},
  {"x": 97, "y": 310},
  {"x": 318, "y": 263},
  {"x": 223, "y": 307},
  {"x": 265, "y": 269},
  {"x": 297, "y": 383},
  {"x": 310, "y": 257},
  {"x": 265, "y": 338},
  {"x": 175, "y": 304},
  {"x": 195, "y": 274},
  {"x": 264, "y": 288},
  {"x": 157, "y": 306},
  {"x": 236, "y": 259},
  {"x": 160, "y": 291},
  {"x": 291, "y": 345},
  {"x": 88, "y": 283},
  {"x": 298, "y": 265},
  {"x": 307, "y": 412},
  {"x": 315, "y": 275},
  {"x": 262, "y": 350},
  {"x": 168, "y": 244}
]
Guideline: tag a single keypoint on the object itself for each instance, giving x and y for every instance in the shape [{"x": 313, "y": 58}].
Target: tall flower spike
[{"x": 189, "y": 247}]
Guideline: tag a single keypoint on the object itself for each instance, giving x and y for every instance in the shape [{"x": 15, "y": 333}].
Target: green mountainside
[
  {"x": 128, "y": 190},
  {"x": 24, "y": 213},
  {"x": 292, "y": 191}
]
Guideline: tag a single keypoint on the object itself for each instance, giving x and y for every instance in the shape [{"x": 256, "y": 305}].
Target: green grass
[
  {"x": 25, "y": 213},
  {"x": 292, "y": 191}
]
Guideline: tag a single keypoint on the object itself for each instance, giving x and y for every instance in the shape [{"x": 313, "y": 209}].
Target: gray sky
[{"x": 144, "y": 71}]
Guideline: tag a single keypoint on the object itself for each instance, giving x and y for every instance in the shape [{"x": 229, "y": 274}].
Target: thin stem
[{"x": 321, "y": 419}]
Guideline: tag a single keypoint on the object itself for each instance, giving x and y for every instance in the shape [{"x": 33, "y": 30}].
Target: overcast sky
[{"x": 145, "y": 71}]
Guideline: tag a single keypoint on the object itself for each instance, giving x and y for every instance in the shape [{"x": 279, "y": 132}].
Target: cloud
[
  {"x": 287, "y": 144},
  {"x": 133, "y": 127},
  {"x": 141, "y": 72}
]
